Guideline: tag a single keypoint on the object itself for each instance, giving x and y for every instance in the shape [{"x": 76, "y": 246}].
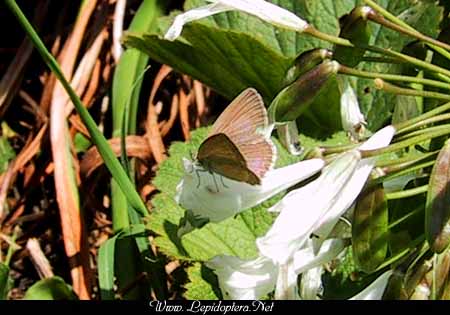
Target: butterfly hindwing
[{"x": 220, "y": 155}]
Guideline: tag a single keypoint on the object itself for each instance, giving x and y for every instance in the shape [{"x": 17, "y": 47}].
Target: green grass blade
[
  {"x": 106, "y": 268},
  {"x": 4, "y": 280},
  {"x": 126, "y": 89}
]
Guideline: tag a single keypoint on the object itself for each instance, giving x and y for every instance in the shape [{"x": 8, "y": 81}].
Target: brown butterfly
[{"x": 235, "y": 147}]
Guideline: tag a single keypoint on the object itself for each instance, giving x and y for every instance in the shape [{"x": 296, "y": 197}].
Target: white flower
[
  {"x": 311, "y": 283},
  {"x": 215, "y": 198},
  {"x": 317, "y": 206},
  {"x": 264, "y": 10},
  {"x": 376, "y": 289},
  {"x": 253, "y": 279},
  {"x": 244, "y": 279},
  {"x": 353, "y": 120}
]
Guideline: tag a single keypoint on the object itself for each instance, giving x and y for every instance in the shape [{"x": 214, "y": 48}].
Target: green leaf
[
  {"x": 202, "y": 284},
  {"x": 50, "y": 289},
  {"x": 233, "y": 50},
  {"x": 4, "y": 281},
  {"x": 370, "y": 229},
  {"x": 6, "y": 154},
  {"x": 106, "y": 254},
  {"x": 111, "y": 260}
]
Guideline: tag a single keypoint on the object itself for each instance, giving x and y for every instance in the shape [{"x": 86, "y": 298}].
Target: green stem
[
  {"x": 386, "y": 165},
  {"x": 407, "y": 193},
  {"x": 391, "y": 77},
  {"x": 423, "y": 64},
  {"x": 433, "y": 43},
  {"x": 393, "y": 89},
  {"x": 406, "y": 143},
  {"x": 424, "y": 122},
  {"x": 389, "y": 16},
  {"x": 423, "y": 131},
  {"x": 327, "y": 37},
  {"x": 97, "y": 137},
  {"x": 382, "y": 60},
  {"x": 406, "y": 124},
  {"x": 344, "y": 42},
  {"x": 406, "y": 217},
  {"x": 400, "y": 172}
]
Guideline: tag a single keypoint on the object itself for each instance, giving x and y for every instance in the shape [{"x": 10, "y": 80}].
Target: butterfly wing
[
  {"x": 220, "y": 155},
  {"x": 240, "y": 122}
]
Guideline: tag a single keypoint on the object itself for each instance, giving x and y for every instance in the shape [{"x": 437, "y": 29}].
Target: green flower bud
[
  {"x": 370, "y": 229},
  {"x": 294, "y": 99},
  {"x": 355, "y": 28},
  {"x": 437, "y": 211},
  {"x": 305, "y": 62}
]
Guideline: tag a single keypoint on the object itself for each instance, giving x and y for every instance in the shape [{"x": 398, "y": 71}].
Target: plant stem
[
  {"x": 406, "y": 143},
  {"x": 97, "y": 137},
  {"x": 391, "y": 77},
  {"x": 389, "y": 16},
  {"x": 422, "y": 131},
  {"x": 377, "y": 18},
  {"x": 390, "y": 88},
  {"x": 407, "y": 193},
  {"x": 406, "y": 124},
  {"x": 344, "y": 42},
  {"x": 425, "y": 122}
]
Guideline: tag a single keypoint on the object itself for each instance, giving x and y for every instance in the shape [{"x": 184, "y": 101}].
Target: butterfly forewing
[{"x": 242, "y": 117}]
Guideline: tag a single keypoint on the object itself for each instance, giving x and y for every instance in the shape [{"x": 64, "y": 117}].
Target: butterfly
[{"x": 237, "y": 147}]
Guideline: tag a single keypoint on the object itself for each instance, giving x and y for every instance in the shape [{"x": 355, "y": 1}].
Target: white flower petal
[
  {"x": 264, "y": 10},
  {"x": 376, "y": 289},
  {"x": 302, "y": 208},
  {"x": 352, "y": 119},
  {"x": 217, "y": 198},
  {"x": 306, "y": 259},
  {"x": 353, "y": 187},
  {"x": 195, "y": 14},
  {"x": 286, "y": 287},
  {"x": 244, "y": 279},
  {"x": 380, "y": 139},
  {"x": 311, "y": 284}
]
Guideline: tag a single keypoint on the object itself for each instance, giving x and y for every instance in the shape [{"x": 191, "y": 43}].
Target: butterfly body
[{"x": 236, "y": 146}]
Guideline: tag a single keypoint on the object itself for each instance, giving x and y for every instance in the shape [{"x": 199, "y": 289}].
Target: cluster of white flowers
[{"x": 287, "y": 249}]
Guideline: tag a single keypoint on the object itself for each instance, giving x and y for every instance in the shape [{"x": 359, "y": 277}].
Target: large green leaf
[
  {"x": 50, "y": 289},
  {"x": 233, "y": 50}
]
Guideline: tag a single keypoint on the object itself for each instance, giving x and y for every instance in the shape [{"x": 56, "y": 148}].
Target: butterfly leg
[
  {"x": 215, "y": 181},
  {"x": 223, "y": 183},
  {"x": 198, "y": 178}
]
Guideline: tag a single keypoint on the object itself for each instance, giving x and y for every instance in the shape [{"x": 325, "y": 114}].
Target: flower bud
[
  {"x": 305, "y": 62},
  {"x": 294, "y": 99},
  {"x": 370, "y": 229},
  {"x": 355, "y": 28},
  {"x": 437, "y": 208}
]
